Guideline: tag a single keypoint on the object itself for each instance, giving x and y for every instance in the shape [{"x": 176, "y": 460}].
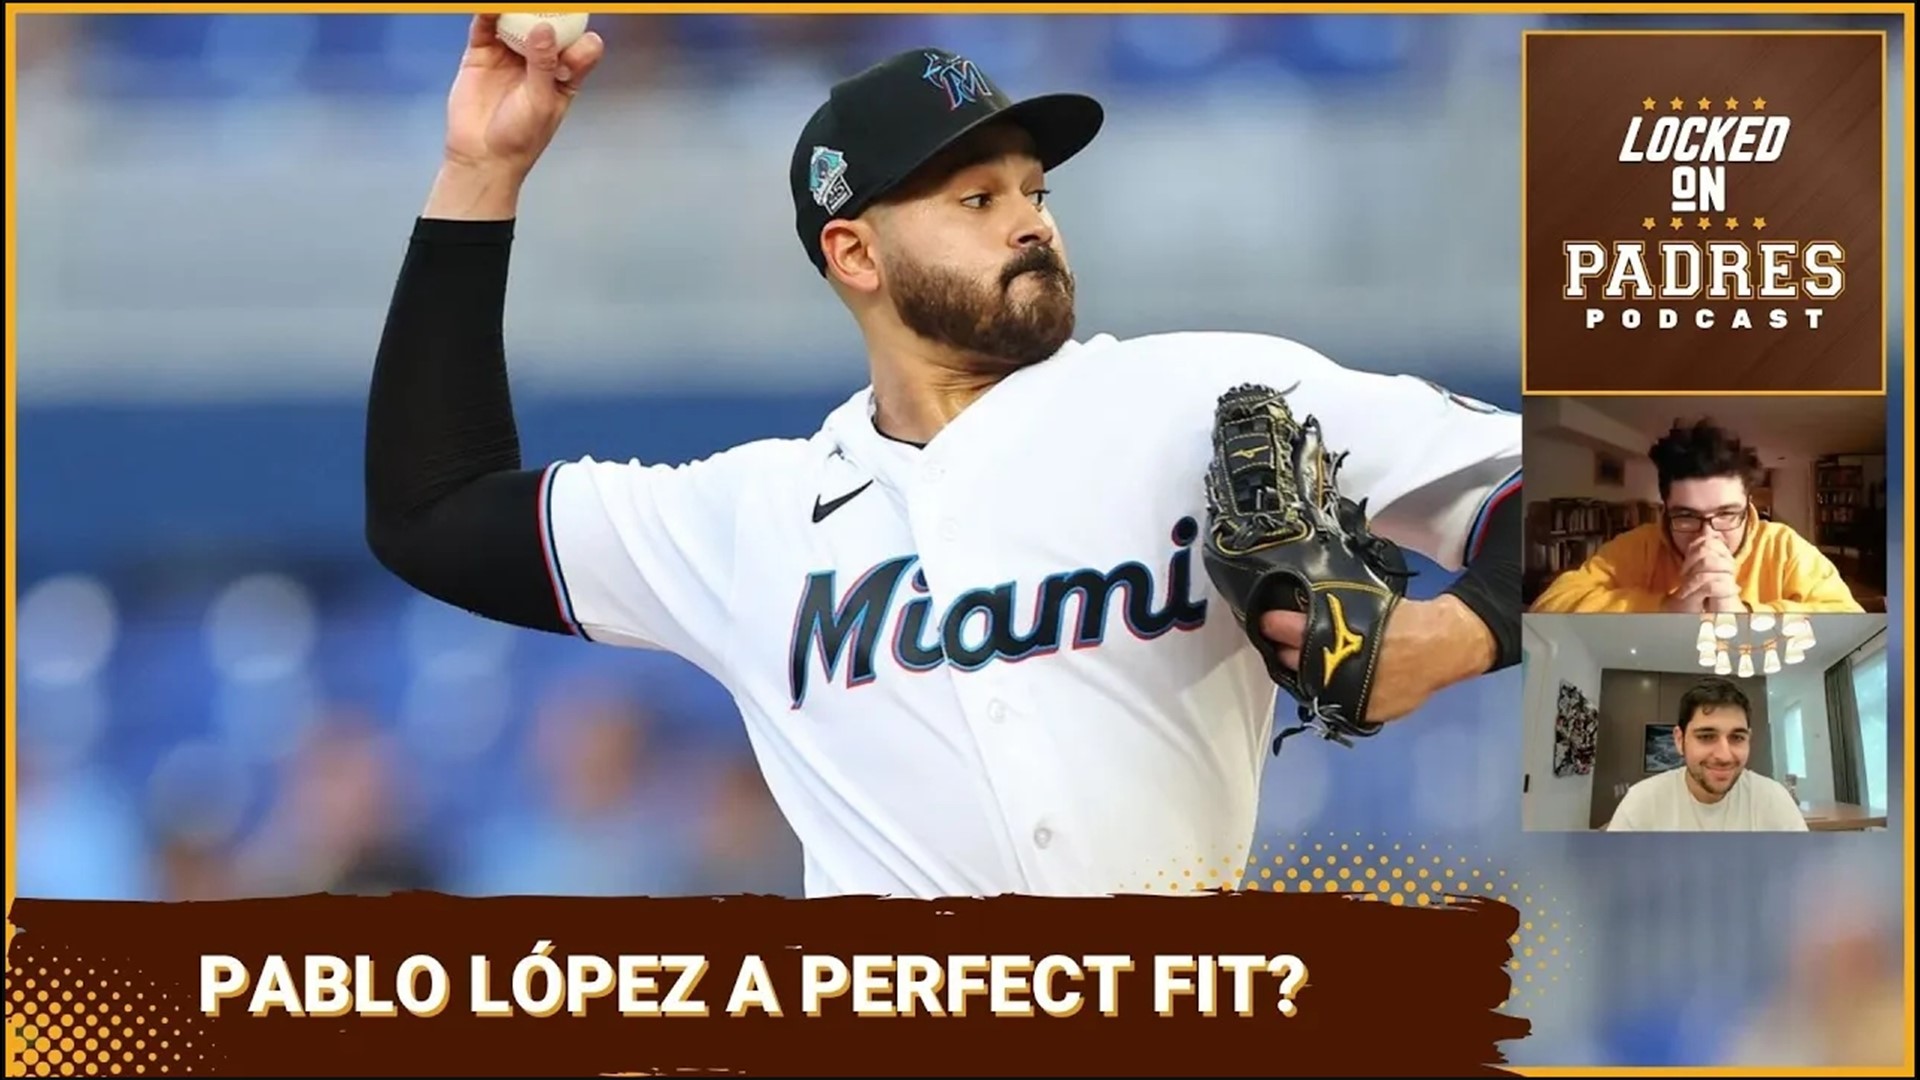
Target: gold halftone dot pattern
[
  {"x": 1402, "y": 874},
  {"x": 83, "y": 1016},
  {"x": 1407, "y": 873},
  {"x": 1255, "y": 872}
]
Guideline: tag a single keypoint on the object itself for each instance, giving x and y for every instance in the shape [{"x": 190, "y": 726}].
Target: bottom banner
[{"x": 1229, "y": 983}]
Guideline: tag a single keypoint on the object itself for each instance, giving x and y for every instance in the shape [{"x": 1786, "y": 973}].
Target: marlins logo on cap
[
  {"x": 827, "y": 179},
  {"x": 878, "y": 127},
  {"x": 958, "y": 77}
]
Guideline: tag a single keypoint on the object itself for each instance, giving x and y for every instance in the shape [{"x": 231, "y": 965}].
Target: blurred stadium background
[{"x": 221, "y": 694}]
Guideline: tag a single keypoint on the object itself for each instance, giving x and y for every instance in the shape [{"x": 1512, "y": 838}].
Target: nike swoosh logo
[{"x": 821, "y": 510}]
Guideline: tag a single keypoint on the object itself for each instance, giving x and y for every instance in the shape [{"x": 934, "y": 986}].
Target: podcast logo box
[{"x": 1704, "y": 212}]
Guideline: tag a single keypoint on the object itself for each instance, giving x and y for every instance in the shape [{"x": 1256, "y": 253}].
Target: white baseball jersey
[
  {"x": 996, "y": 664},
  {"x": 1664, "y": 803}
]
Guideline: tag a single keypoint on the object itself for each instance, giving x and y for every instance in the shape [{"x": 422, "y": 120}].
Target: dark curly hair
[
  {"x": 1711, "y": 695},
  {"x": 1700, "y": 450}
]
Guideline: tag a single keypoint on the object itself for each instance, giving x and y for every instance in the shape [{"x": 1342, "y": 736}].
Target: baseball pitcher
[{"x": 1016, "y": 617}]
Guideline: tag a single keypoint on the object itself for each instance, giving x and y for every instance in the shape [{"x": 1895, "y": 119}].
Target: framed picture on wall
[
  {"x": 1609, "y": 470},
  {"x": 1661, "y": 754}
]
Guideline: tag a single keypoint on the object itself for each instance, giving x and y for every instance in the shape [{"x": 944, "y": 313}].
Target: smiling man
[
  {"x": 1710, "y": 552},
  {"x": 1713, "y": 791}
]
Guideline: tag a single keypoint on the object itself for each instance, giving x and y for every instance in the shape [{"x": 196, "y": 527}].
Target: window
[
  {"x": 1870, "y": 696},
  {"x": 1794, "y": 743}
]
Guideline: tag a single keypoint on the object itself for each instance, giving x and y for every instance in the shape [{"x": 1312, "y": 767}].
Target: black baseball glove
[{"x": 1281, "y": 537}]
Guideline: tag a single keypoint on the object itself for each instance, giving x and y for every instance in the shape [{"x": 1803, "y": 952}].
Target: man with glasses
[{"x": 1710, "y": 552}]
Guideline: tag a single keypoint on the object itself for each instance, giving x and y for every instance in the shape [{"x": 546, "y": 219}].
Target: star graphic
[
  {"x": 1677, "y": 104},
  {"x": 1647, "y": 104},
  {"x": 1673, "y": 223},
  {"x": 1733, "y": 223},
  {"x": 1706, "y": 223},
  {"x": 1705, "y": 104},
  {"x": 1733, "y": 103},
  {"x": 1759, "y": 103},
  {"x": 1646, "y": 223},
  {"x": 1759, "y": 223}
]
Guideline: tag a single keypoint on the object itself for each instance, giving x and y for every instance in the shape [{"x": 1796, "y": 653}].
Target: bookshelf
[
  {"x": 1850, "y": 520},
  {"x": 1563, "y": 533},
  {"x": 1840, "y": 502}
]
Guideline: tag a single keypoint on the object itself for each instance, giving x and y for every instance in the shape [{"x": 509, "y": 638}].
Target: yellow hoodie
[{"x": 1638, "y": 570}]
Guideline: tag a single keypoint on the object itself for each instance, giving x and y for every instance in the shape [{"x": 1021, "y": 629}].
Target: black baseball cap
[{"x": 877, "y": 127}]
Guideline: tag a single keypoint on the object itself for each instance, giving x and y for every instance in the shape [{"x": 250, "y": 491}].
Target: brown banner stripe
[{"x": 673, "y": 985}]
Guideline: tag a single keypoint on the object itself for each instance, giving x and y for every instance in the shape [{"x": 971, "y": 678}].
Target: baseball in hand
[{"x": 514, "y": 28}]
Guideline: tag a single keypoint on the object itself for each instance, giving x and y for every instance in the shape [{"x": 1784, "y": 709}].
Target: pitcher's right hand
[{"x": 502, "y": 113}]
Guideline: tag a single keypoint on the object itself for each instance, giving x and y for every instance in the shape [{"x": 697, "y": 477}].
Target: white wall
[
  {"x": 1563, "y": 469},
  {"x": 1806, "y": 686},
  {"x": 1554, "y": 803},
  {"x": 1793, "y": 494}
]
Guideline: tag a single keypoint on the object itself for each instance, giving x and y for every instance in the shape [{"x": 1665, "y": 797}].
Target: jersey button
[
  {"x": 1042, "y": 836},
  {"x": 996, "y": 711},
  {"x": 934, "y": 473},
  {"x": 949, "y": 529}
]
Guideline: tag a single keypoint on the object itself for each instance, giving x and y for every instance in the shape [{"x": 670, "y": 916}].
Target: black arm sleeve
[
  {"x": 1490, "y": 587},
  {"x": 449, "y": 510}
]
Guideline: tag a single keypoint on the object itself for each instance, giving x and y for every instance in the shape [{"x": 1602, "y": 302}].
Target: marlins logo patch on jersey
[{"x": 827, "y": 178}]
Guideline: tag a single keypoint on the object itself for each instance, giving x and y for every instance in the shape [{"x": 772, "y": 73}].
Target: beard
[
  {"x": 1706, "y": 781},
  {"x": 986, "y": 320}
]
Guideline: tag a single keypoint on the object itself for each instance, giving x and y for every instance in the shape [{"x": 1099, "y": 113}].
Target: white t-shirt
[
  {"x": 999, "y": 666},
  {"x": 1664, "y": 803}
]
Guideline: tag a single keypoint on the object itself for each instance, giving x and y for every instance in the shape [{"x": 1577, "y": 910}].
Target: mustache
[{"x": 1043, "y": 260}]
